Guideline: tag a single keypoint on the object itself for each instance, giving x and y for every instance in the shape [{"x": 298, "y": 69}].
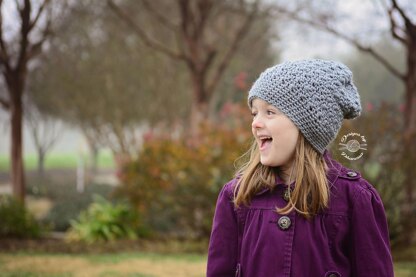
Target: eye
[
  {"x": 253, "y": 114},
  {"x": 269, "y": 112}
]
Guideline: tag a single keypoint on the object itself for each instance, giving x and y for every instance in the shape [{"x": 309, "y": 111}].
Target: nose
[{"x": 257, "y": 123}]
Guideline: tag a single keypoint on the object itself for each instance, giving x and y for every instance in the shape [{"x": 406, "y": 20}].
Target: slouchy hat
[{"x": 315, "y": 94}]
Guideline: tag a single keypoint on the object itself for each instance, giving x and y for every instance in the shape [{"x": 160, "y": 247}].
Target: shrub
[
  {"x": 384, "y": 161},
  {"x": 67, "y": 201},
  {"x": 104, "y": 221},
  {"x": 16, "y": 221},
  {"x": 175, "y": 180}
]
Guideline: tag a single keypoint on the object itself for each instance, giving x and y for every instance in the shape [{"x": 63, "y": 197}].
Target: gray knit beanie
[{"x": 315, "y": 94}]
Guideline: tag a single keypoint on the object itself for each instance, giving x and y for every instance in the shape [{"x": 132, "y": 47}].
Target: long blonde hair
[{"x": 311, "y": 192}]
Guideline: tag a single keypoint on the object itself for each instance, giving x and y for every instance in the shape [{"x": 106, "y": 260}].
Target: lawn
[
  {"x": 58, "y": 160},
  {"x": 138, "y": 265},
  {"x": 124, "y": 264}
]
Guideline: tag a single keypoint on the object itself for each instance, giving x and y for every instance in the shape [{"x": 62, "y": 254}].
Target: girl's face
[{"x": 275, "y": 134}]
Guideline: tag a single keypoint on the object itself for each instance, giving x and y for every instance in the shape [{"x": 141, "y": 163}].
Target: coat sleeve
[
  {"x": 222, "y": 251},
  {"x": 370, "y": 247}
]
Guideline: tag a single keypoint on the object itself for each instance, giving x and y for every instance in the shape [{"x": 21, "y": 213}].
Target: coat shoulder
[
  {"x": 229, "y": 187},
  {"x": 352, "y": 183},
  {"x": 354, "y": 178}
]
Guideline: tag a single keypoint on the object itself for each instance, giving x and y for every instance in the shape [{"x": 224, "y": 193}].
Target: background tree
[
  {"x": 17, "y": 49},
  {"x": 99, "y": 78},
  {"x": 45, "y": 132},
  {"x": 207, "y": 37},
  {"x": 132, "y": 87}
]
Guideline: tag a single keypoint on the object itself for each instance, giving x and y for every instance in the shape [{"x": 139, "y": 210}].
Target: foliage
[
  {"x": 16, "y": 221},
  {"x": 104, "y": 221},
  {"x": 67, "y": 201},
  {"x": 383, "y": 163},
  {"x": 176, "y": 178},
  {"x": 114, "y": 71},
  {"x": 124, "y": 79}
]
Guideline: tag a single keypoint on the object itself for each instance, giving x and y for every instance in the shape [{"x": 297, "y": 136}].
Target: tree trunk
[
  {"x": 409, "y": 153},
  {"x": 17, "y": 170},
  {"x": 199, "y": 109},
  {"x": 94, "y": 158},
  {"x": 41, "y": 162}
]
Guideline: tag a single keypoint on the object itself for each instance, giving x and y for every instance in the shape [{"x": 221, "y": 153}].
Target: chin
[
  {"x": 268, "y": 163},
  {"x": 273, "y": 163}
]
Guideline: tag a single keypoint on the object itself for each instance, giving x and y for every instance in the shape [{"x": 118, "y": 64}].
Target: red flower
[{"x": 240, "y": 81}]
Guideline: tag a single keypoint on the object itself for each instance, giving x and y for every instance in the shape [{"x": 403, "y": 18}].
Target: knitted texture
[{"x": 315, "y": 94}]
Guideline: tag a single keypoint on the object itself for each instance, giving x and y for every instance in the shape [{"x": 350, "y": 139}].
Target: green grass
[
  {"x": 120, "y": 264},
  {"x": 405, "y": 268},
  {"x": 58, "y": 160},
  {"x": 116, "y": 258}
]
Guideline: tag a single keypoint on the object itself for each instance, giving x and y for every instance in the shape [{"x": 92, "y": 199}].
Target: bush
[
  {"x": 104, "y": 221},
  {"x": 16, "y": 221},
  {"x": 384, "y": 163},
  {"x": 67, "y": 201},
  {"x": 175, "y": 181}
]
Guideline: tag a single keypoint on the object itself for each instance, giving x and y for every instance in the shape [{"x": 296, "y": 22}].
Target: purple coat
[{"x": 350, "y": 238}]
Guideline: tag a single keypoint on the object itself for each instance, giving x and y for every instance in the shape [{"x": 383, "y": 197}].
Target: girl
[{"x": 292, "y": 210}]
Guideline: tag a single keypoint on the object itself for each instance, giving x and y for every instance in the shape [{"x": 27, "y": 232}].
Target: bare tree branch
[
  {"x": 400, "y": 10},
  {"x": 187, "y": 19},
  {"x": 233, "y": 48},
  {"x": 159, "y": 17},
  {"x": 394, "y": 27},
  {"x": 18, "y": 5},
  {"x": 204, "y": 9},
  {"x": 36, "y": 47},
  {"x": 24, "y": 34},
  {"x": 39, "y": 13},
  {"x": 142, "y": 34},
  {"x": 4, "y": 56},
  {"x": 348, "y": 39},
  {"x": 5, "y": 103}
]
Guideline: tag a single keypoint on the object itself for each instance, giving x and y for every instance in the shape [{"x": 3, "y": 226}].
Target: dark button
[
  {"x": 284, "y": 223},
  {"x": 350, "y": 174},
  {"x": 286, "y": 195}
]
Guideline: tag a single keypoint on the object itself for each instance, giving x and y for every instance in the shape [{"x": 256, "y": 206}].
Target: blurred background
[{"x": 121, "y": 120}]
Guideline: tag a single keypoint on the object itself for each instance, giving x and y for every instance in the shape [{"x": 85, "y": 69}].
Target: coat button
[
  {"x": 284, "y": 223},
  {"x": 351, "y": 173},
  {"x": 332, "y": 274},
  {"x": 286, "y": 195}
]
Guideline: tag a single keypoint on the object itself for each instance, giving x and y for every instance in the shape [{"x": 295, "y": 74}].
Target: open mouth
[{"x": 265, "y": 142}]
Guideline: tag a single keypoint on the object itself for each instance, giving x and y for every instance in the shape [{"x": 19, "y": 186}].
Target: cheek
[{"x": 288, "y": 138}]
